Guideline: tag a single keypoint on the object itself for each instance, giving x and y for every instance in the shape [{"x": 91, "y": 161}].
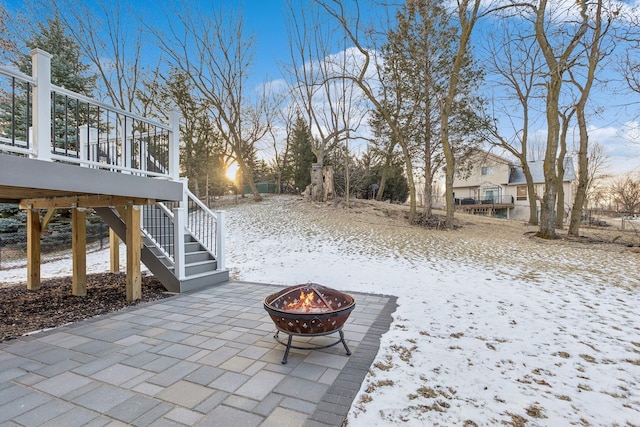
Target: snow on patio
[{"x": 492, "y": 327}]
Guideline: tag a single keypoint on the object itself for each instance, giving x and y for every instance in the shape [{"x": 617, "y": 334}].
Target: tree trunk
[
  {"x": 247, "y": 173},
  {"x": 383, "y": 184},
  {"x": 428, "y": 178},
  {"x": 317, "y": 191},
  {"x": 466, "y": 23},
  {"x": 279, "y": 183},
  {"x": 583, "y": 159},
  {"x": 383, "y": 179},
  {"x": 328, "y": 190},
  {"x": 531, "y": 193},
  {"x": 583, "y": 170},
  {"x": 196, "y": 187},
  {"x": 428, "y": 196},
  {"x": 560, "y": 196},
  {"x": 410, "y": 182},
  {"x": 547, "y": 228},
  {"x": 557, "y": 65},
  {"x": 560, "y": 165}
]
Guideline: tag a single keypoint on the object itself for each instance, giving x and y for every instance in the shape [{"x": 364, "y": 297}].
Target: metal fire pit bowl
[{"x": 330, "y": 310}]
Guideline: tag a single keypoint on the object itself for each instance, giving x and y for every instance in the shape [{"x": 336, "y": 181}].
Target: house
[{"x": 496, "y": 186}]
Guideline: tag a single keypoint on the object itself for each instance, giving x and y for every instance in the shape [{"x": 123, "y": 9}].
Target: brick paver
[{"x": 191, "y": 359}]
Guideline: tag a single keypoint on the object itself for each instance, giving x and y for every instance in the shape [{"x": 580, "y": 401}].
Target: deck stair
[{"x": 199, "y": 240}]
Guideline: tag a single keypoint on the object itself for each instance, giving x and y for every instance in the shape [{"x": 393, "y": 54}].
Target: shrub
[
  {"x": 8, "y": 210},
  {"x": 10, "y": 225}
]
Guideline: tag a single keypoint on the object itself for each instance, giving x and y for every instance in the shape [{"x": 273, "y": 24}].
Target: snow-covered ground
[{"x": 492, "y": 327}]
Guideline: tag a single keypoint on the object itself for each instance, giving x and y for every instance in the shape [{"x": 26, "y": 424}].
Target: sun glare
[{"x": 232, "y": 169}]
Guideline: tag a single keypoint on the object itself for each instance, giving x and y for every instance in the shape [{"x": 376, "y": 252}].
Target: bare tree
[
  {"x": 367, "y": 76},
  {"x": 515, "y": 58},
  {"x": 558, "y": 59},
  {"x": 565, "y": 120},
  {"x": 595, "y": 51},
  {"x": 214, "y": 52},
  {"x": 110, "y": 41},
  {"x": 466, "y": 13},
  {"x": 319, "y": 89},
  {"x": 596, "y": 164},
  {"x": 416, "y": 72},
  {"x": 626, "y": 193},
  {"x": 630, "y": 63}
]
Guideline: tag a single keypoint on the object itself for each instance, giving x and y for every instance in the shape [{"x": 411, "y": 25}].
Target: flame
[{"x": 306, "y": 303}]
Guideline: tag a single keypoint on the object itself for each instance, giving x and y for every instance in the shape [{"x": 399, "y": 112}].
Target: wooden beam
[
  {"x": 134, "y": 246},
  {"x": 83, "y": 201},
  {"x": 34, "y": 231},
  {"x": 47, "y": 218},
  {"x": 114, "y": 251},
  {"x": 79, "y": 252}
]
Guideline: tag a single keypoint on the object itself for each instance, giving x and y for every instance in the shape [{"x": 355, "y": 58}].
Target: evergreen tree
[
  {"x": 301, "y": 155},
  {"x": 67, "y": 71},
  {"x": 418, "y": 67}
]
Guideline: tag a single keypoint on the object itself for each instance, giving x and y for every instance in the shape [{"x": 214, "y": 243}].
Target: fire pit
[{"x": 309, "y": 310}]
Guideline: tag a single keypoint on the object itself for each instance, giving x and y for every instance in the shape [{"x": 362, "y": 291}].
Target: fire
[{"x": 306, "y": 303}]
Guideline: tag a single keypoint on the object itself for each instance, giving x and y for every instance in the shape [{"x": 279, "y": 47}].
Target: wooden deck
[
  {"x": 40, "y": 184},
  {"x": 93, "y": 155},
  {"x": 486, "y": 209}
]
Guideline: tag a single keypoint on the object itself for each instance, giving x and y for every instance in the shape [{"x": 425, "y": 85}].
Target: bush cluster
[{"x": 57, "y": 235}]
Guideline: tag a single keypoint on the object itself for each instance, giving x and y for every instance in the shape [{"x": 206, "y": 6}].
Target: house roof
[{"x": 537, "y": 172}]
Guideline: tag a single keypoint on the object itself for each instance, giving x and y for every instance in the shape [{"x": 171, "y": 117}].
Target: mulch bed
[{"x": 23, "y": 311}]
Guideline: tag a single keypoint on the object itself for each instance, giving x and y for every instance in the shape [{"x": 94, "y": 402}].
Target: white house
[{"x": 496, "y": 186}]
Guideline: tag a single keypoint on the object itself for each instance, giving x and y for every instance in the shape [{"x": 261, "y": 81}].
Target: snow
[{"x": 487, "y": 331}]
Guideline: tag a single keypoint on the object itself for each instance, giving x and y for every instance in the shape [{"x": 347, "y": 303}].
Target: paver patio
[{"x": 202, "y": 358}]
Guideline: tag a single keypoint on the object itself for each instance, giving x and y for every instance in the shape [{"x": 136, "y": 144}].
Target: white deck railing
[{"x": 47, "y": 122}]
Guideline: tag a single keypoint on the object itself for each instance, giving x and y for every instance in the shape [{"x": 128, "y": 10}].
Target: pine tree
[
  {"x": 67, "y": 71},
  {"x": 418, "y": 67},
  {"x": 301, "y": 155}
]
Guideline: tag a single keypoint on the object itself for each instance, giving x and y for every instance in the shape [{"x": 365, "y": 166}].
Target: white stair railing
[{"x": 194, "y": 217}]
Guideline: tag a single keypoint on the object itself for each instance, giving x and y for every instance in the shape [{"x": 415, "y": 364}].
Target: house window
[
  {"x": 521, "y": 192},
  {"x": 486, "y": 170}
]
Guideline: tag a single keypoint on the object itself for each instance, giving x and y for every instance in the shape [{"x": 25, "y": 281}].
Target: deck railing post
[
  {"x": 41, "y": 72},
  {"x": 180, "y": 217},
  {"x": 174, "y": 145},
  {"x": 127, "y": 144},
  {"x": 220, "y": 239}
]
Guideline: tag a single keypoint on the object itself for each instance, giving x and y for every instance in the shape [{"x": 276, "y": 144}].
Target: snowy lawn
[{"x": 492, "y": 327}]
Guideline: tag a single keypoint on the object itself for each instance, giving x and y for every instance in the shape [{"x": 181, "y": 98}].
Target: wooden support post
[
  {"x": 114, "y": 251},
  {"x": 79, "y": 251},
  {"x": 134, "y": 246},
  {"x": 34, "y": 231}
]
